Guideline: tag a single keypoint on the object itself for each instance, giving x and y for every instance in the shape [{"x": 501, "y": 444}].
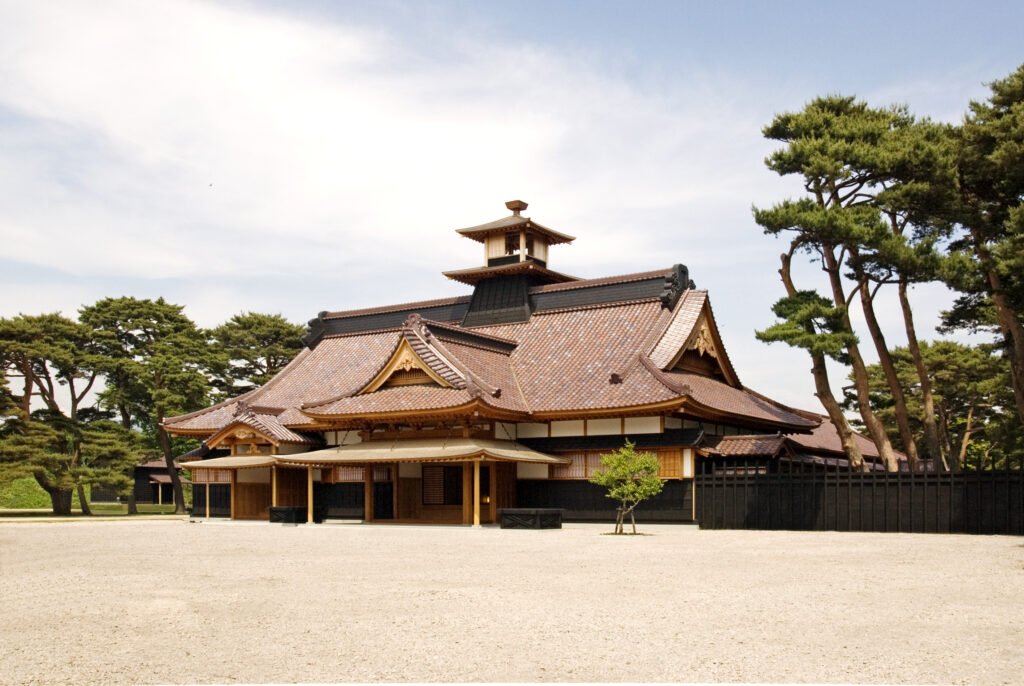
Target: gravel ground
[{"x": 178, "y": 602}]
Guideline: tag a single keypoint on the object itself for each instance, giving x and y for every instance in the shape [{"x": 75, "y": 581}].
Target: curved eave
[
  {"x": 476, "y": 274},
  {"x": 512, "y": 224},
  {"x": 421, "y": 450},
  {"x": 696, "y": 409},
  {"x": 474, "y": 407},
  {"x": 597, "y": 413},
  {"x": 195, "y": 433},
  {"x": 233, "y": 462}
]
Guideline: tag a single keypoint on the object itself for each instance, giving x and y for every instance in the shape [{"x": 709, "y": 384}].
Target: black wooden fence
[{"x": 749, "y": 496}]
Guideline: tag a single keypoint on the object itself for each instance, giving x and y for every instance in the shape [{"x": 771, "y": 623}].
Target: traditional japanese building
[{"x": 449, "y": 410}]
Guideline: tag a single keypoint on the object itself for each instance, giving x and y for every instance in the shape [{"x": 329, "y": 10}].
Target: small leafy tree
[{"x": 630, "y": 478}]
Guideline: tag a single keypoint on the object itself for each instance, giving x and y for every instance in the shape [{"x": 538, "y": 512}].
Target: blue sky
[{"x": 305, "y": 156}]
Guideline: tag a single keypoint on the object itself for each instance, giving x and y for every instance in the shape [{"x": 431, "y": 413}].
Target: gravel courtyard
[{"x": 178, "y": 602}]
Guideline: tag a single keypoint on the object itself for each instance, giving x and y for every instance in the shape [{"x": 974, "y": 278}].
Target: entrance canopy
[
  {"x": 422, "y": 450},
  {"x": 233, "y": 462}
]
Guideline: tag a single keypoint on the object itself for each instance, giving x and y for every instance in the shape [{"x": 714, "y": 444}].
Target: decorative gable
[
  {"x": 690, "y": 341},
  {"x": 405, "y": 368}
]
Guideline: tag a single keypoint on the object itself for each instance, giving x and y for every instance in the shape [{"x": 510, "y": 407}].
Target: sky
[{"x": 305, "y": 156}]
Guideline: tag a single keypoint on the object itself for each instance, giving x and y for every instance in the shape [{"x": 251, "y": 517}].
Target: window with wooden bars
[
  {"x": 344, "y": 474},
  {"x": 583, "y": 464},
  {"x": 442, "y": 485}
]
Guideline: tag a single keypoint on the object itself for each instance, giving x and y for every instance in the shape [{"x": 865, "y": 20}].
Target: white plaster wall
[
  {"x": 504, "y": 431},
  {"x": 604, "y": 427},
  {"x": 531, "y": 430},
  {"x": 643, "y": 425},
  {"x": 254, "y": 476},
  {"x": 529, "y": 470},
  {"x": 410, "y": 470},
  {"x": 687, "y": 463},
  {"x": 572, "y": 427}
]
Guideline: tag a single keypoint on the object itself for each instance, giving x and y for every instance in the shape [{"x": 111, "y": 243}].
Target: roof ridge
[
  {"x": 601, "y": 281},
  {"x": 413, "y": 331},
  {"x": 460, "y": 329},
  {"x": 211, "y": 408},
  {"x": 438, "y": 302},
  {"x": 594, "y": 306}
]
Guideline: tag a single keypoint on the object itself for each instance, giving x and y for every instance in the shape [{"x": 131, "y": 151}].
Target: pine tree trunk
[
  {"x": 60, "y": 499},
  {"x": 822, "y": 387},
  {"x": 1013, "y": 332},
  {"x": 83, "y": 501},
  {"x": 889, "y": 369},
  {"x": 931, "y": 429},
  {"x": 632, "y": 520},
  {"x": 860, "y": 375},
  {"x": 165, "y": 444},
  {"x": 968, "y": 429},
  {"x": 126, "y": 422},
  {"x": 1009, "y": 323}
]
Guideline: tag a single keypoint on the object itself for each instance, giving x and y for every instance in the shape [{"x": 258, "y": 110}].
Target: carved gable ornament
[
  {"x": 408, "y": 367},
  {"x": 702, "y": 341}
]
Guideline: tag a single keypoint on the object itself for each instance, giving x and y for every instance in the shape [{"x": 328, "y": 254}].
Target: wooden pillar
[
  {"x": 206, "y": 490},
  {"x": 476, "y": 492},
  {"x": 493, "y": 509},
  {"x": 273, "y": 485},
  {"x": 522, "y": 246},
  {"x": 309, "y": 495},
  {"x": 368, "y": 493},
  {"x": 467, "y": 491},
  {"x": 234, "y": 480},
  {"x": 394, "y": 491},
  {"x": 159, "y": 494}
]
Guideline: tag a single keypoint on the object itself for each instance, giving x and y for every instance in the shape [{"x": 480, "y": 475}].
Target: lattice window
[
  {"x": 346, "y": 474},
  {"x": 433, "y": 485},
  {"x": 220, "y": 476},
  {"x": 671, "y": 464},
  {"x": 575, "y": 469}
]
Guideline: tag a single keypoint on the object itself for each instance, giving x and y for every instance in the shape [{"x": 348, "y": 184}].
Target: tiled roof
[
  {"x": 565, "y": 359},
  {"x": 825, "y": 438},
  {"x": 158, "y": 463},
  {"x": 584, "y": 358},
  {"x": 718, "y": 396},
  {"x": 745, "y": 446},
  {"x": 394, "y": 399},
  {"x": 420, "y": 305},
  {"x": 475, "y": 274},
  {"x": 603, "y": 281},
  {"x": 679, "y": 329},
  {"x": 511, "y": 223}
]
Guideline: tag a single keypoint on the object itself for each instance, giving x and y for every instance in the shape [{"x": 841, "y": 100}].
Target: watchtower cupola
[
  {"x": 515, "y": 260},
  {"x": 513, "y": 245}
]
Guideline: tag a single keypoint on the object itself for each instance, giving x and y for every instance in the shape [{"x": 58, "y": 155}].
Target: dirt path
[{"x": 173, "y": 602}]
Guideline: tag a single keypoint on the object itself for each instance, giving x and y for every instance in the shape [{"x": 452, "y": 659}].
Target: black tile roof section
[
  {"x": 671, "y": 438},
  {"x": 392, "y": 319},
  {"x": 500, "y": 300},
  {"x": 506, "y": 299},
  {"x": 596, "y": 295}
]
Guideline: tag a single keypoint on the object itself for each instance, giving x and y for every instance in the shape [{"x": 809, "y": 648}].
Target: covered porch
[{"x": 453, "y": 481}]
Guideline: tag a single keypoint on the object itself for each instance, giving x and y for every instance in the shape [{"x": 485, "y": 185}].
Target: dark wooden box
[
  {"x": 296, "y": 515},
  {"x": 530, "y": 518}
]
